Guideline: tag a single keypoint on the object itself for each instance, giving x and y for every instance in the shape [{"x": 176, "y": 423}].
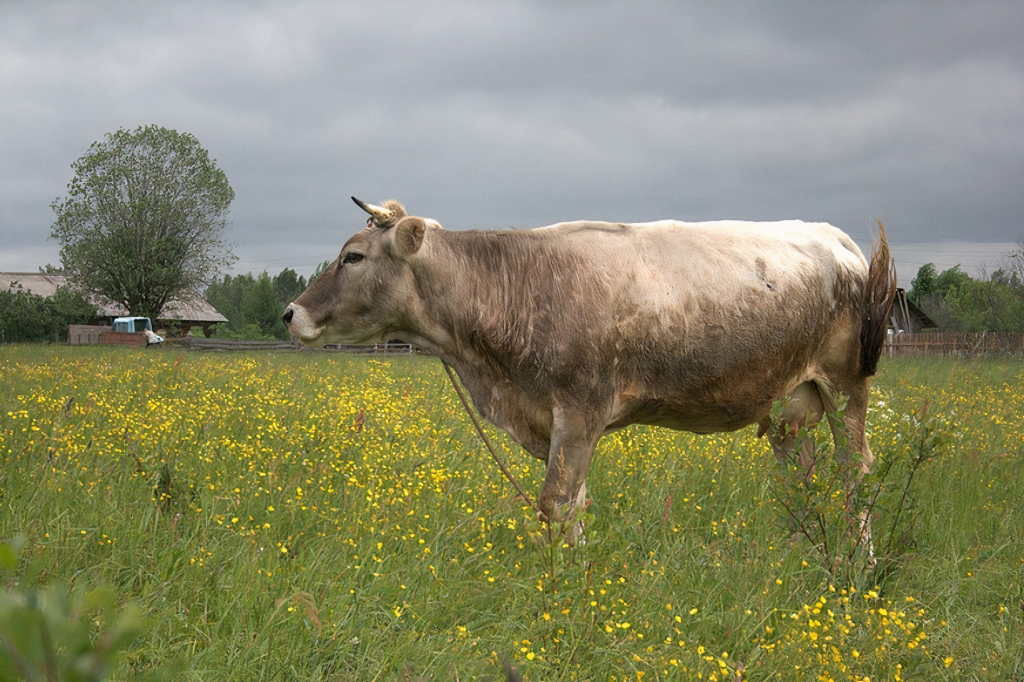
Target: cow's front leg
[{"x": 565, "y": 490}]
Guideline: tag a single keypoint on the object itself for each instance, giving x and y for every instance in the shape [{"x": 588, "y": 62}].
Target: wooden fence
[
  {"x": 399, "y": 348},
  {"x": 956, "y": 345},
  {"x": 199, "y": 343}
]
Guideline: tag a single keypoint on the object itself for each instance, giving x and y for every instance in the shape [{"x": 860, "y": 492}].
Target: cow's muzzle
[{"x": 300, "y": 324}]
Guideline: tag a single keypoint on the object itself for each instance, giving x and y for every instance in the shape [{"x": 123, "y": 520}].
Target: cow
[{"x": 565, "y": 333}]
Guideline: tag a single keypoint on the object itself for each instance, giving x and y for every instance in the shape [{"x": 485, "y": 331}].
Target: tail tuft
[{"x": 879, "y": 294}]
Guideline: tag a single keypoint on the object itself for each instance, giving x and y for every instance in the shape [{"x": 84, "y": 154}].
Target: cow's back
[{"x": 648, "y": 279}]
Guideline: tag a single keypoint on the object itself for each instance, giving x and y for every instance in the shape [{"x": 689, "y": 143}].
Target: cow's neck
[
  {"x": 470, "y": 286},
  {"x": 470, "y": 313},
  {"x": 462, "y": 315}
]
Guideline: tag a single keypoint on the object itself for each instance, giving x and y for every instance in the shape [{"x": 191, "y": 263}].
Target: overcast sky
[{"x": 519, "y": 114}]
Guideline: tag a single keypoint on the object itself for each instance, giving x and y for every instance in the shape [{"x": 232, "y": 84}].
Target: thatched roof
[{"x": 194, "y": 309}]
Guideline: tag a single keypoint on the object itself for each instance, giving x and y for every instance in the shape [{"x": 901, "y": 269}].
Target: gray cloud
[{"x": 521, "y": 114}]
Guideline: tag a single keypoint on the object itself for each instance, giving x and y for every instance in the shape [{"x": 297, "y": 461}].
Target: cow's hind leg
[{"x": 855, "y": 418}]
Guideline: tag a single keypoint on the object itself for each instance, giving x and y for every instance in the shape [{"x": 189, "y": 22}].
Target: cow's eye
[{"x": 352, "y": 258}]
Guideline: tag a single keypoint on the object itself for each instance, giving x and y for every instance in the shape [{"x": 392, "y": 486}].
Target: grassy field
[{"x": 316, "y": 516}]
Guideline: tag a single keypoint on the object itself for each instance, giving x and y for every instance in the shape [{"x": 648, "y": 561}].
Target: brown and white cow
[{"x": 565, "y": 333}]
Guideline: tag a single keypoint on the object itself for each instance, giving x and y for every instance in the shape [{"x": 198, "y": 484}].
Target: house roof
[
  {"x": 904, "y": 311},
  {"x": 194, "y": 309},
  {"x": 33, "y": 282}
]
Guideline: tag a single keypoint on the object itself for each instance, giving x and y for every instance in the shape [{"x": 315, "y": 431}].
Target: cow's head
[{"x": 365, "y": 294}]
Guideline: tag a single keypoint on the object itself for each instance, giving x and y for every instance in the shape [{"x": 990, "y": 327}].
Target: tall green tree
[
  {"x": 948, "y": 279},
  {"x": 317, "y": 272},
  {"x": 143, "y": 219},
  {"x": 262, "y": 308},
  {"x": 289, "y": 284},
  {"x": 924, "y": 284},
  {"x": 226, "y": 296}
]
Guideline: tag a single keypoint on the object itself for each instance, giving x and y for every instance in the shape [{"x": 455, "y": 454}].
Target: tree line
[
  {"x": 254, "y": 305},
  {"x": 957, "y": 302}
]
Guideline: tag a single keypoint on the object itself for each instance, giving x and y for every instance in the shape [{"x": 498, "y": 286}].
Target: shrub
[
  {"x": 857, "y": 525},
  {"x": 25, "y": 316},
  {"x": 61, "y": 634}
]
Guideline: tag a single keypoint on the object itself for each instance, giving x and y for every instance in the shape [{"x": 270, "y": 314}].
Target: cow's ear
[{"x": 409, "y": 236}]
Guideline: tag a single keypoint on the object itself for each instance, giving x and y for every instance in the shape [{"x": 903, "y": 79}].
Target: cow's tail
[{"x": 879, "y": 294}]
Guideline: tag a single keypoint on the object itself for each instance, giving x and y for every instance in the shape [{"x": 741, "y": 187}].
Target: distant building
[
  {"x": 907, "y": 317},
  {"x": 180, "y": 315}
]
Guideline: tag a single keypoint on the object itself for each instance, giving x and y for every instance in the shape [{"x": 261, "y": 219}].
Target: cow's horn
[{"x": 380, "y": 214}]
